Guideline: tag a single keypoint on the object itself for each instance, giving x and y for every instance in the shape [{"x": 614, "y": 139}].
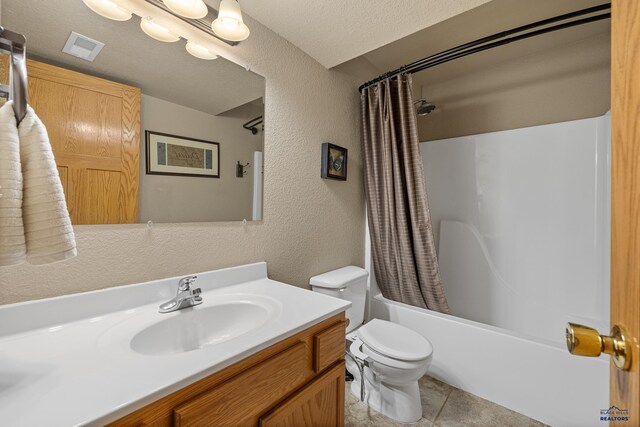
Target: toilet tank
[{"x": 348, "y": 283}]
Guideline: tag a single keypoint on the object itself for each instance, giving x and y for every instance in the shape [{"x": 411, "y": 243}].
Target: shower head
[{"x": 423, "y": 107}]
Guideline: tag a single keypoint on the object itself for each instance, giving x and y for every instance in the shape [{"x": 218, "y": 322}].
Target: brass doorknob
[{"x": 585, "y": 341}]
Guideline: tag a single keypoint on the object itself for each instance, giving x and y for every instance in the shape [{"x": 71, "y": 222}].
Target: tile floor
[{"x": 442, "y": 406}]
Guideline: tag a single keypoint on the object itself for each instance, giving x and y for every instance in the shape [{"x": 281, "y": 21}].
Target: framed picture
[
  {"x": 334, "y": 162},
  {"x": 179, "y": 155}
]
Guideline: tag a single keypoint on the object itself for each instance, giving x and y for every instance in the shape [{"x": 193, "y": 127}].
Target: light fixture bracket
[{"x": 203, "y": 24}]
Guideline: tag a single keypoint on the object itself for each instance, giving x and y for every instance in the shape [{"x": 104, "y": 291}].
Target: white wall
[
  {"x": 522, "y": 221},
  {"x": 165, "y": 198}
]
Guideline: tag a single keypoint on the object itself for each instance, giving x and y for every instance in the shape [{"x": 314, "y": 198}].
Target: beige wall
[
  {"x": 192, "y": 199},
  {"x": 310, "y": 225},
  {"x": 565, "y": 83}
]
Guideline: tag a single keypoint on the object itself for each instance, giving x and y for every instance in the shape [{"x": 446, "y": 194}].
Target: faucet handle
[
  {"x": 193, "y": 294},
  {"x": 185, "y": 283}
]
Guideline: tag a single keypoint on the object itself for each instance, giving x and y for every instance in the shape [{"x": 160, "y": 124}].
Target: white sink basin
[
  {"x": 194, "y": 328},
  {"x": 218, "y": 319}
]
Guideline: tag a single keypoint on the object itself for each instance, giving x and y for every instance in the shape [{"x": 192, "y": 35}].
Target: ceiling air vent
[{"x": 82, "y": 47}]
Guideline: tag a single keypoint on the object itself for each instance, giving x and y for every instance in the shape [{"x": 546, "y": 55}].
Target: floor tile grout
[{"x": 441, "y": 408}]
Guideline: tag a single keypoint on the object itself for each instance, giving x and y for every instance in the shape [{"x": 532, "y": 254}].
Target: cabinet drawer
[
  {"x": 240, "y": 400},
  {"x": 319, "y": 404},
  {"x": 328, "y": 346}
]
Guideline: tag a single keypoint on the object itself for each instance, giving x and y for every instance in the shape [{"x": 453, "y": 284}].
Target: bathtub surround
[
  {"x": 506, "y": 203},
  {"x": 404, "y": 252}
]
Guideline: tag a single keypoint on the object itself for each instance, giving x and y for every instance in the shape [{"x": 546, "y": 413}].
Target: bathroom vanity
[
  {"x": 255, "y": 352},
  {"x": 298, "y": 381}
]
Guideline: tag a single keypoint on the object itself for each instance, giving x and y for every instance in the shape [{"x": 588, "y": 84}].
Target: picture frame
[
  {"x": 334, "y": 162},
  {"x": 168, "y": 154}
]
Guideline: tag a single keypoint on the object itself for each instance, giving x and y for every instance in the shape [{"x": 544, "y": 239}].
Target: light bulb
[
  {"x": 108, "y": 9},
  {"x": 229, "y": 24},
  {"x": 194, "y": 9},
  {"x": 199, "y": 51},
  {"x": 157, "y": 31}
]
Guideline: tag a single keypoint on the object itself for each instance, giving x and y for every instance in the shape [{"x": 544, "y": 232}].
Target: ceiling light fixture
[
  {"x": 229, "y": 24},
  {"x": 108, "y": 9},
  {"x": 157, "y": 31},
  {"x": 171, "y": 27},
  {"x": 194, "y": 9},
  {"x": 199, "y": 51}
]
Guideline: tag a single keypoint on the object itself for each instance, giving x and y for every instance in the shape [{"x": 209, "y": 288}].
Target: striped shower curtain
[{"x": 402, "y": 242}]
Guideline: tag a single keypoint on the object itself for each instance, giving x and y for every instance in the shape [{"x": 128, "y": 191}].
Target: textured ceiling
[
  {"x": 162, "y": 70},
  {"x": 490, "y": 18},
  {"x": 335, "y": 31}
]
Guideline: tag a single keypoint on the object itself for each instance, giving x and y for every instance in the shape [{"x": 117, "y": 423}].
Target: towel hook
[{"x": 15, "y": 44}]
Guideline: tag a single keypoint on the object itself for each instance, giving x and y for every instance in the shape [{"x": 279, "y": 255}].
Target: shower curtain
[{"x": 402, "y": 243}]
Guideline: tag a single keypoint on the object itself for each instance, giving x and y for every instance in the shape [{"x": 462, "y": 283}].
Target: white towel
[
  {"x": 47, "y": 227},
  {"x": 12, "y": 238}
]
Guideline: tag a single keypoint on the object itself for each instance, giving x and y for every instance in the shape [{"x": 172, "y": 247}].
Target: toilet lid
[{"x": 395, "y": 341}]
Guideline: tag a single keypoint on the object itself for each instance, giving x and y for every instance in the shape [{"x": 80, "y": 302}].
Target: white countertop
[{"x": 61, "y": 363}]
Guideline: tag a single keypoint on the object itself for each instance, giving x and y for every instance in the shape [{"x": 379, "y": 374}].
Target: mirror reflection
[{"x": 141, "y": 129}]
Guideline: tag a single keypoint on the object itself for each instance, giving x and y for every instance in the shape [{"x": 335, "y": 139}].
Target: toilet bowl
[
  {"x": 394, "y": 357},
  {"x": 397, "y": 358}
]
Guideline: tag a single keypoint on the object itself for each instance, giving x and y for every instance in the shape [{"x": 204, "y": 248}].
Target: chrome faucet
[{"x": 185, "y": 297}]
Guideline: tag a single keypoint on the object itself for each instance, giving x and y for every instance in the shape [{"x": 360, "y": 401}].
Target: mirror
[{"x": 197, "y": 155}]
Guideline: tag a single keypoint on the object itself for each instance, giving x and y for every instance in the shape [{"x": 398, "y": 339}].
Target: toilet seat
[
  {"x": 394, "y": 341},
  {"x": 390, "y": 344},
  {"x": 363, "y": 352}
]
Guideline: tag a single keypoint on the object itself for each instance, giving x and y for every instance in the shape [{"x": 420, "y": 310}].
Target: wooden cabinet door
[
  {"x": 94, "y": 129},
  {"x": 319, "y": 404},
  {"x": 241, "y": 400}
]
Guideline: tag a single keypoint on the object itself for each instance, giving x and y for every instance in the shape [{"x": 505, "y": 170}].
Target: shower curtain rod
[{"x": 495, "y": 40}]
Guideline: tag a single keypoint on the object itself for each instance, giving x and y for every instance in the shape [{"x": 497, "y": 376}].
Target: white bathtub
[{"x": 542, "y": 381}]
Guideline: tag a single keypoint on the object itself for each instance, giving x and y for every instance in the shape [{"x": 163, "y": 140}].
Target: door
[
  {"x": 623, "y": 344},
  {"x": 94, "y": 129},
  {"x": 625, "y": 202}
]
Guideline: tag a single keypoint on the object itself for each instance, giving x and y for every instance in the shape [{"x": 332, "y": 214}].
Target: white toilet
[{"x": 396, "y": 355}]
